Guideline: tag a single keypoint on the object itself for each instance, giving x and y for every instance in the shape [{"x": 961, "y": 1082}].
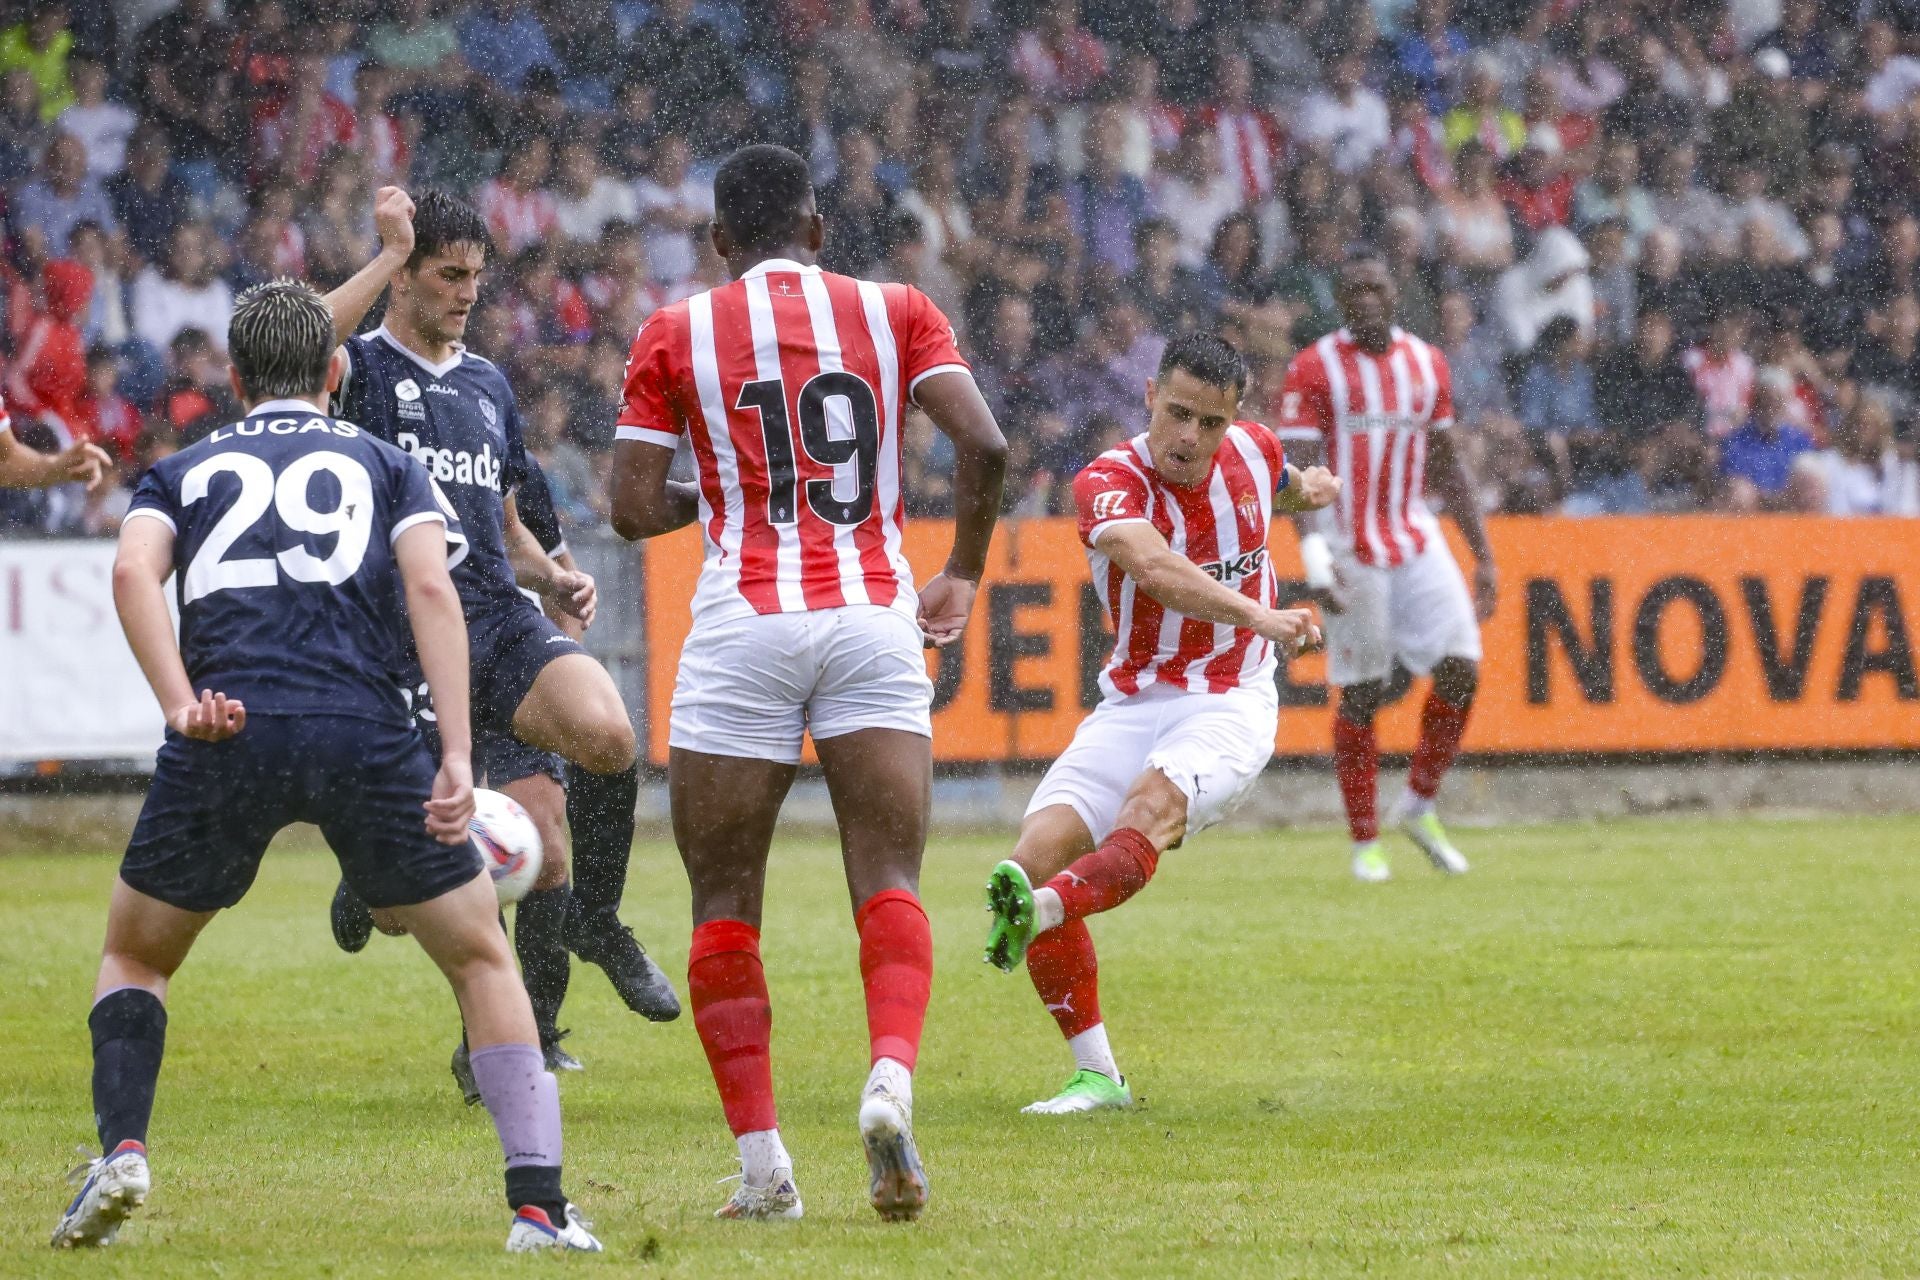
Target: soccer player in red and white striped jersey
[
  {"x": 1378, "y": 402},
  {"x": 23, "y": 468},
  {"x": 790, "y": 383},
  {"x": 1175, "y": 526}
]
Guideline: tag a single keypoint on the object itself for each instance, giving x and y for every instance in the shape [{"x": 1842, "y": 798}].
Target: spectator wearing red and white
[
  {"x": 1723, "y": 372},
  {"x": 1194, "y": 193},
  {"x": 106, "y": 417},
  {"x": 48, "y": 375},
  {"x": 294, "y": 131},
  {"x": 1417, "y": 146},
  {"x": 559, "y": 308},
  {"x": 382, "y": 137},
  {"x": 586, "y": 198},
  {"x": 1056, "y": 58},
  {"x": 517, "y": 207},
  {"x": 287, "y": 249},
  {"x": 1536, "y": 187},
  {"x": 1252, "y": 144},
  {"x": 103, "y": 126},
  {"x": 675, "y": 207},
  {"x": 1543, "y": 111},
  {"x": 1346, "y": 120}
]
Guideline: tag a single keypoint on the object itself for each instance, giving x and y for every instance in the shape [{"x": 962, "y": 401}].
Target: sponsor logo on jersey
[
  {"x": 455, "y": 466},
  {"x": 1234, "y": 568},
  {"x": 440, "y": 389},
  {"x": 406, "y": 391},
  {"x": 1363, "y": 422}
]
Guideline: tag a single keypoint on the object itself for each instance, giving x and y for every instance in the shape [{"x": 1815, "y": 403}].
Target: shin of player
[
  {"x": 1378, "y": 401},
  {"x": 316, "y": 732},
  {"x": 791, "y": 384},
  {"x": 1175, "y": 526}
]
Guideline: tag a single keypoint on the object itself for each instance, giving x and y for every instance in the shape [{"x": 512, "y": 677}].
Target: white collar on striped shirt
[{"x": 778, "y": 264}]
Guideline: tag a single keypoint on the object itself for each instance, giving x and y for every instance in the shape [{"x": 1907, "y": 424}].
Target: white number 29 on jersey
[{"x": 351, "y": 521}]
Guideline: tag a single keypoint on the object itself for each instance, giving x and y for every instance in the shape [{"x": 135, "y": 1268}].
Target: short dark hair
[
  {"x": 281, "y": 340},
  {"x": 442, "y": 220},
  {"x": 1208, "y": 357},
  {"x": 760, "y": 195}
]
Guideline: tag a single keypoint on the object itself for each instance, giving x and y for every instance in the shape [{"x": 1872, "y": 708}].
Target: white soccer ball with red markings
[{"x": 508, "y": 841}]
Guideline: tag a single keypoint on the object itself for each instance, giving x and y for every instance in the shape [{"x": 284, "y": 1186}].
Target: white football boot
[
  {"x": 898, "y": 1190},
  {"x": 1370, "y": 863},
  {"x": 114, "y": 1186},
  {"x": 533, "y": 1231},
  {"x": 779, "y": 1198}
]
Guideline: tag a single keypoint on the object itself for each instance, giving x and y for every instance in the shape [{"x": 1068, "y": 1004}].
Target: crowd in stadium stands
[{"x": 1670, "y": 247}]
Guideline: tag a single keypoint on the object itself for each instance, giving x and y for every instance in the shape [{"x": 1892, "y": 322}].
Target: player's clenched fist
[
  {"x": 393, "y": 219},
  {"x": 214, "y": 718},
  {"x": 1293, "y": 630},
  {"x": 1319, "y": 487}
]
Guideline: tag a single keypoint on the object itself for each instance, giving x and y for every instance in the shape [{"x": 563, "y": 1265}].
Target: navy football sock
[
  {"x": 539, "y": 924},
  {"x": 600, "y": 813},
  {"x": 129, "y": 1028}
]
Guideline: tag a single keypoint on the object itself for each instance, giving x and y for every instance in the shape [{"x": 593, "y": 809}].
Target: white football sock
[
  {"x": 761, "y": 1155},
  {"x": 1048, "y": 912},
  {"x": 892, "y": 1075},
  {"x": 1091, "y": 1052},
  {"x": 1415, "y": 805}
]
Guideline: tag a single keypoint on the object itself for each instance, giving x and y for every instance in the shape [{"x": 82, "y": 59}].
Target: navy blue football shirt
[
  {"x": 290, "y": 598},
  {"x": 460, "y": 420}
]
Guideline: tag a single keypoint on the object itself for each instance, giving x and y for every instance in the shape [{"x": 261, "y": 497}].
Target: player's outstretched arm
[
  {"x": 960, "y": 412},
  {"x": 24, "y": 468},
  {"x": 140, "y": 572},
  {"x": 1455, "y": 487},
  {"x": 393, "y": 219},
  {"x": 1307, "y": 490},
  {"x": 645, "y": 503},
  {"x": 1184, "y": 588},
  {"x": 568, "y": 590},
  {"x": 440, "y": 637}
]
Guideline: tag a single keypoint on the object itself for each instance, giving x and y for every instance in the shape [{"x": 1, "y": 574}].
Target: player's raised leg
[
  {"x": 880, "y": 781},
  {"x": 147, "y": 941},
  {"x": 573, "y": 710},
  {"x": 724, "y": 811}
]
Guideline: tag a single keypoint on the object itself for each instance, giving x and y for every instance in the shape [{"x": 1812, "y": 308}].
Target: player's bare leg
[
  {"x": 574, "y": 711},
  {"x": 1046, "y": 925},
  {"x": 1356, "y": 768},
  {"x": 1443, "y": 721},
  {"x": 881, "y": 781},
  {"x": 724, "y": 811}
]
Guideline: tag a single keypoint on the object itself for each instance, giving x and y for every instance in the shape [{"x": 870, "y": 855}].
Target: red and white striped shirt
[
  {"x": 791, "y": 383},
  {"x": 1220, "y": 525},
  {"x": 1251, "y": 147},
  {"x": 1372, "y": 413},
  {"x": 516, "y": 218},
  {"x": 1725, "y": 387}
]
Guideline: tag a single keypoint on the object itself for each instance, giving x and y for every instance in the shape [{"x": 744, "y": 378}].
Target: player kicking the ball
[
  {"x": 413, "y": 383},
  {"x": 791, "y": 383},
  {"x": 299, "y": 543},
  {"x": 1378, "y": 402},
  {"x": 1175, "y": 526}
]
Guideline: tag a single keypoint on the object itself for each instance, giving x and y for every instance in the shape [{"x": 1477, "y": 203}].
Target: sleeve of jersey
[
  {"x": 649, "y": 412},
  {"x": 514, "y": 463},
  {"x": 416, "y": 500},
  {"x": 1442, "y": 417},
  {"x": 1306, "y": 407},
  {"x": 1272, "y": 450},
  {"x": 353, "y": 385},
  {"x": 1106, "y": 497},
  {"x": 153, "y": 501},
  {"x": 535, "y": 503},
  {"x": 928, "y": 344}
]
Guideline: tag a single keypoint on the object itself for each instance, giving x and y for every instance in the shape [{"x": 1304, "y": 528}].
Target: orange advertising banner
[{"x": 1622, "y": 635}]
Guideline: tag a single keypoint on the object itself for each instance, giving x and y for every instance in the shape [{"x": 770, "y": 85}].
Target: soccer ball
[{"x": 508, "y": 841}]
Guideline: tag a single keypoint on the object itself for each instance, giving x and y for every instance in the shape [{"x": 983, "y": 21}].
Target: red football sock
[
  {"x": 728, "y": 990},
  {"x": 1441, "y": 726},
  {"x": 896, "y": 967},
  {"x": 1107, "y": 877},
  {"x": 1067, "y": 975},
  {"x": 1356, "y": 766}
]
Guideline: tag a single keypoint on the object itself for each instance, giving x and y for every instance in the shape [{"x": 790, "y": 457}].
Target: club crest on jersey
[
  {"x": 1249, "y": 509},
  {"x": 491, "y": 414},
  {"x": 1234, "y": 568}
]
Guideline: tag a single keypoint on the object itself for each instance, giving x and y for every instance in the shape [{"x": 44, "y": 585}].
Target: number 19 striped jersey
[
  {"x": 1221, "y": 525},
  {"x": 790, "y": 383}
]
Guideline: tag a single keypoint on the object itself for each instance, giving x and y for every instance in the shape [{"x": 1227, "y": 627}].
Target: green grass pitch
[{"x": 1677, "y": 1047}]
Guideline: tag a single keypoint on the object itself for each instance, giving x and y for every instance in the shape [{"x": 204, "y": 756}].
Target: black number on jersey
[{"x": 768, "y": 398}]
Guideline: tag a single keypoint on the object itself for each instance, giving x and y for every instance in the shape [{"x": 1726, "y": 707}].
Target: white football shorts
[
  {"x": 755, "y": 685},
  {"x": 1210, "y": 745},
  {"x": 1417, "y": 612}
]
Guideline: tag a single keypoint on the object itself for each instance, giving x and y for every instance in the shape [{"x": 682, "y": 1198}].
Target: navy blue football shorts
[
  {"x": 500, "y": 759},
  {"x": 214, "y": 807},
  {"x": 510, "y": 647}
]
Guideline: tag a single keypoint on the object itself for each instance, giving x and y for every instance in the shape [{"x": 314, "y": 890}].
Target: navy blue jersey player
[
  {"x": 412, "y": 382},
  {"x": 307, "y": 554}
]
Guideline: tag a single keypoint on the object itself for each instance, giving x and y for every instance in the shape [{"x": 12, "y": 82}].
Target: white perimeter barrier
[{"x": 69, "y": 687}]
